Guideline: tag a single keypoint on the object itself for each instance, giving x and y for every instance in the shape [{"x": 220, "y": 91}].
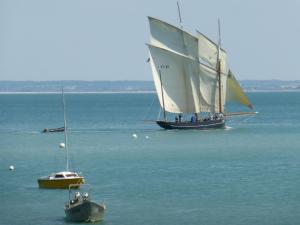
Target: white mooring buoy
[
  {"x": 135, "y": 136},
  {"x": 62, "y": 145},
  {"x": 11, "y": 167}
]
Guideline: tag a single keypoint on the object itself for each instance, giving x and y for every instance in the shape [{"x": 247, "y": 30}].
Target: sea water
[{"x": 245, "y": 174}]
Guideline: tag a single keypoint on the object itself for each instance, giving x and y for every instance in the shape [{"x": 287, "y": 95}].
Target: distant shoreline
[
  {"x": 79, "y": 92},
  {"x": 123, "y": 92},
  {"x": 117, "y": 87}
]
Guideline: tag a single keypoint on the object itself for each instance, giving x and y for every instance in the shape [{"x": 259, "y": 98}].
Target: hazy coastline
[{"x": 108, "y": 87}]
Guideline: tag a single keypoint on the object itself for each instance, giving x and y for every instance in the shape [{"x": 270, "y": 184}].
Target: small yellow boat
[
  {"x": 61, "y": 180},
  {"x": 65, "y": 178}
]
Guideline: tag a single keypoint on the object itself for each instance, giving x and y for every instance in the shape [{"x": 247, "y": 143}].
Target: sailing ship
[
  {"x": 65, "y": 178},
  {"x": 191, "y": 77}
]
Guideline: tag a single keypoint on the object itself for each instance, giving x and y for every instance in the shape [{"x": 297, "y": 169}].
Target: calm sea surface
[{"x": 246, "y": 174}]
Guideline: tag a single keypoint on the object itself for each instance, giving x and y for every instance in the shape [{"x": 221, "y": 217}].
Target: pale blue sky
[{"x": 105, "y": 40}]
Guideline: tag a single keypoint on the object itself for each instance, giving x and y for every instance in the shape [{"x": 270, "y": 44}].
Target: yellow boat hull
[{"x": 60, "y": 183}]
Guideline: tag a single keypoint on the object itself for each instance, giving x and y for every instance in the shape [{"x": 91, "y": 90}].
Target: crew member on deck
[{"x": 193, "y": 119}]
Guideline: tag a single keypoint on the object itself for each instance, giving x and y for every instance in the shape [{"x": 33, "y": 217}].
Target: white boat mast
[{"x": 65, "y": 130}]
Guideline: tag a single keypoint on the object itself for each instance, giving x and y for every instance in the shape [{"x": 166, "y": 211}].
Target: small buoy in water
[
  {"x": 134, "y": 136},
  {"x": 11, "y": 167},
  {"x": 62, "y": 145},
  {"x": 147, "y": 137}
]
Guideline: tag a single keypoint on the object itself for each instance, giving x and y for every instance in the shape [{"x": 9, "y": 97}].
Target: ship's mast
[
  {"x": 219, "y": 67},
  {"x": 179, "y": 15}
]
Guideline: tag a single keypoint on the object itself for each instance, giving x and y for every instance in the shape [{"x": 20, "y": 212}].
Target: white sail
[
  {"x": 209, "y": 85},
  {"x": 208, "y": 51},
  {"x": 172, "y": 38},
  {"x": 235, "y": 92},
  {"x": 169, "y": 72},
  {"x": 209, "y": 89},
  {"x": 182, "y": 44}
]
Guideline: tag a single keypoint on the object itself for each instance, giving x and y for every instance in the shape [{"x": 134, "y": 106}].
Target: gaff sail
[{"x": 208, "y": 51}]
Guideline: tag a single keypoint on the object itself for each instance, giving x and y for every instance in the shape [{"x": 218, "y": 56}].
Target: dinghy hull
[{"x": 86, "y": 211}]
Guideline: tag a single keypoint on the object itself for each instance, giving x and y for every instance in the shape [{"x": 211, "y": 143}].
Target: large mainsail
[
  {"x": 174, "y": 63},
  {"x": 168, "y": 69}
]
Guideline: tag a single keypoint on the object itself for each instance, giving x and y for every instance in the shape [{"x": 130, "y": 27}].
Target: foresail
[
  {"x": 235, "y": 92},
  {"x": 169, "y": 72},
  {"x": 208, "y": 51}
]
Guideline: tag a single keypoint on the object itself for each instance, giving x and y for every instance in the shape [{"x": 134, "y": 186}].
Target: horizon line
[{"x": 128, "y": 80}]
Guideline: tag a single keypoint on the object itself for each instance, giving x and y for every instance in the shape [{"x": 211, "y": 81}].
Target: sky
[{"x": 105, "y": 40}]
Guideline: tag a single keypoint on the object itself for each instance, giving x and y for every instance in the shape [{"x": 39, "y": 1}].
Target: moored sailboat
[
  {"x": 191, "y": 77},
  {"x": 66, "y": 178}
]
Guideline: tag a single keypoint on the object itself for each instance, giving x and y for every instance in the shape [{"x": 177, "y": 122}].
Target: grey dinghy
[{"x": 82, "y": 209}]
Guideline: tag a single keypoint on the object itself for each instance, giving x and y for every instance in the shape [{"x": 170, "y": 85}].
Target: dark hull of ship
[{"x": 185, "y": 125}]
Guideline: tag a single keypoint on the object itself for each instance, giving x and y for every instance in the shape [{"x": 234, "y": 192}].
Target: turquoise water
[{"x": 248, "y": 173}]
